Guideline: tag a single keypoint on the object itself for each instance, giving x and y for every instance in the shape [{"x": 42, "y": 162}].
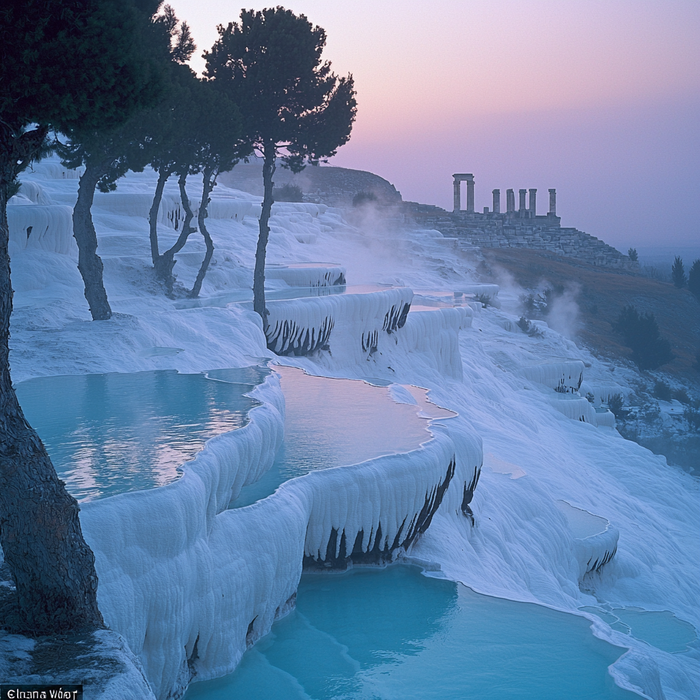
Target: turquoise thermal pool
[
  {"x": 386, "y": 634},
  {"x": 337, "y": 422},
  {"x": 113, "y": 433}
]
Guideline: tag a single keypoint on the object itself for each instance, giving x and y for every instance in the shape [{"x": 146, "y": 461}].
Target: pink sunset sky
[{"x": 599, "y": 99}]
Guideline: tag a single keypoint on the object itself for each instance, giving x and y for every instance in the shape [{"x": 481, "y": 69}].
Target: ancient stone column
[
  {"x": 553, "y": 202},
  {"x": 457, "y": 197},
  {"x": 533, "y": 203},
  {"x": 523, "y": 194},
  {"x": 510, "y": 201},
  {"x": 470, "y": 192},
  {"x": 497, "y": 201}
]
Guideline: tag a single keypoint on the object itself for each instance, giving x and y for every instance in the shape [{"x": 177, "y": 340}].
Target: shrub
[
  {"x": 632, "y": 254},
  {"x": 615, "y": 404},
  {"x": 590, "y": 397},
  {"x": 524, "y": 324},
  {"x": 681, "y": 395},
  {"x": 484, "y": 300},
  {"x": 362, "y": 198},
  {"x": 641, "y": 333},
  {"x": 692, "y": 415},
  {"x": 288, "y": 193},
  {"x": 528, "y": 304},
  {"x": 662, "y": 391},
  {"x": 529, "y": 328}
]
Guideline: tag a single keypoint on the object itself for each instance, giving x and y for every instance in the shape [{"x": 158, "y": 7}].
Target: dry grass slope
[{"x": 602, "y": 295}]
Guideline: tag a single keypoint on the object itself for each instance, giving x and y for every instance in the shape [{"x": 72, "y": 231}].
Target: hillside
[
  {"x": 323, "y": 184},
  {"x": 601, "y": 294}
]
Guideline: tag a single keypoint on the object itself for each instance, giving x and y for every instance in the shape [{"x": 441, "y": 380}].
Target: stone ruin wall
[{"x": 520, "y": 228}]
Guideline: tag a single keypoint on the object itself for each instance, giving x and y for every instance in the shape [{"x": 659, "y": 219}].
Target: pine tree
[
  {"x": 291, "y": 103},
  {"x": 678, "y": 273},
  {"x": 108, "y": 153},
  {"x": 694, "y": 279},
  {"x": 63, "y": 64},
  {"x": 641, "y": 333}
]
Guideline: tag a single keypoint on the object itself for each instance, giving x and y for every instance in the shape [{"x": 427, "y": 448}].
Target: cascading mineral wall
[{"x": 191, "y": 585}]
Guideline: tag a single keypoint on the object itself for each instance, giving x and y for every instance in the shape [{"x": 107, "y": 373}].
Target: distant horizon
[{"x": 599, "y": 100}]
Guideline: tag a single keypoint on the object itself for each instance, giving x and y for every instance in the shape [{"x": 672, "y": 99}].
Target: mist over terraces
[{"x": 519, "y": 227}]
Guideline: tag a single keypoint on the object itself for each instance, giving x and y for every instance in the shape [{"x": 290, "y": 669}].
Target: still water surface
[
  {"x": 396, "y": 634},
  {"x": 113, "y": 433}
]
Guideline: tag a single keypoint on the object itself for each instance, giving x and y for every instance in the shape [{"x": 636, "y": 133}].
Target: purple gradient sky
[{"x": 597, "y": 98}]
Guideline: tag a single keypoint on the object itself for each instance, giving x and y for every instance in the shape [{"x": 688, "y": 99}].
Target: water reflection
[
  {"x": 336, "y": 422},
  {"x": 112, "y": 433}
]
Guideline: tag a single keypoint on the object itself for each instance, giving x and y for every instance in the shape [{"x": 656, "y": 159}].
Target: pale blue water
[
  {"x": 395, "y": 634},
  {"x": 112, "y": 433},
  {"x": 336, "y": 422},
  {"x": 661, "y": 628},
  {"x": 245, "y": 296}
]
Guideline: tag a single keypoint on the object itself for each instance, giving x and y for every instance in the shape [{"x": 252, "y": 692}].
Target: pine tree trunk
[
  {"x": 89, "y": 262},
  {"x": 163, "y": 176},
  {"x": 208, "y": 183},
  {"x": 269, "y": 153},
  {"x": 40, "y": 534},
  {"x": 165, "y": 263}
]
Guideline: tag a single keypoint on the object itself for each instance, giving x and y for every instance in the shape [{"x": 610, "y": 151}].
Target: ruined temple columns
[
  {"x": 469, "y": 179},
  {"x": 522, "y": 208},
  {"x": 553, "y": 202},
  {"x": 496, "y": 201},
  {"x": 533, "y": 203},
  {"x": 470, "y": 193},
  {"x": 510, "y": 201}
]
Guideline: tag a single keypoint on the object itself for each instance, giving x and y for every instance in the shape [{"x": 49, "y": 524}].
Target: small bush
[
  {"x": 589, "y": 397},
  {"x": 528, "y": 304},
  {"x": 550, "y": 294},
  {"x": 632, "y": 254},
  {"x": 615, "y": 404},
  {"x": 641, "y": 333},
  {"x": 524, "y": 324},
  {"x": 681, "y": 395},
  {"x": 362, "y": 198},
  {"x": 484, "y": 299},
  {"x": 288, "y": 193},
  {"x": 530, "y": 328},
  {"x": 692, "y": 415},
  {"x": 662, "y": 391}
]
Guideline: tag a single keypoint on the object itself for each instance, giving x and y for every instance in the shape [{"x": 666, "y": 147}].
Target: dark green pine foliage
[
  {"x": 165, "y": 130},
  {"x": 641, "y": 333},
  {"x": 678, "y": 273},
  {"x": 62, "y": 65},
  {"x": 196, "y": 130},
  {"x": 292, "y": 105},
  {"x": 694, "y": 279},
  {"x": 108, "y": 153},
  {"x": 213, "y": 145}
]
